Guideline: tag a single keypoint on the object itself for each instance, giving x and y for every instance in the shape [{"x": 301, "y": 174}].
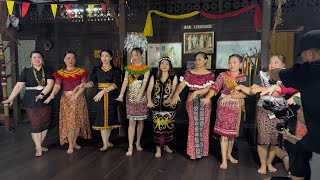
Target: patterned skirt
[
  {"x": 198, "y": 131},
  {"x": 39, "y": 118},
  {"x": 163, "y": 127},
  {"x": 137, "y": 110},
  {"x": 301, "y": 128},
  {"x": 267, "y": 132},
  {"x": 228, "y": 118},
  {"x": 73, "y": 115}
]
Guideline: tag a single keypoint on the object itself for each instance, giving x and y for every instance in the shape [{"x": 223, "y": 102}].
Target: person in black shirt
[
  {"x": 38, "y": 82},
  {"x": 305, "y": 78}
]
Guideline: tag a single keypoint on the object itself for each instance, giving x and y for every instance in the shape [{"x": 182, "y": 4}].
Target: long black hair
[{"x": 109, "y": 51}]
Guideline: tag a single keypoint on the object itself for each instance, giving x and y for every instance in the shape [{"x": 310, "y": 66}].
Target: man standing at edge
[{"x": 306, "y": 78}]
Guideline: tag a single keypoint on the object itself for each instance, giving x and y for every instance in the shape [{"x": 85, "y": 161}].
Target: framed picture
[
  {"x": 159, "y": 50},
  {"x": 190, "y": 65},
  {"x": 227, "y": 48},
  {"x": 194, "y": 42}
]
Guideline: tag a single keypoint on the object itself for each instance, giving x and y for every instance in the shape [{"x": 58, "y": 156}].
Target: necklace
[
  {"x": 106, "y": 69},
  {"x": 43, "y": 79}
]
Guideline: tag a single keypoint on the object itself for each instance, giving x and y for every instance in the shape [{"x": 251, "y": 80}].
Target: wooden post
[
  {"x": 14, "y": 77},
  {"x": 4, "y": 85},
  {"x": 122, "y": 54},
  {"x": 122, "y": 24},
  {"x": 265, "y": 36}
]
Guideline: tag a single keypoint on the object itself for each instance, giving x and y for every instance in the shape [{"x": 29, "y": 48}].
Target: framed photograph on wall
[
  {"x": 159, "y": 50},
  {"x": 190, "y": 65},
  {"x": 227, "y": 48},
  {"x": 194, "y": 42}
]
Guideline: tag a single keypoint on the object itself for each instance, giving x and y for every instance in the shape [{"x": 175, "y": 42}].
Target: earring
[{"x": 131, "y": 60}]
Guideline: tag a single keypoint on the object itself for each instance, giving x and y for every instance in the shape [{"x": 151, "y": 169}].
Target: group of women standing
[{"x": 159, "y": 92}]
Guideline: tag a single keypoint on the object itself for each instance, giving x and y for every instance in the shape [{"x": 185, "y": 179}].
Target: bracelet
[
  {"x": 106, "y": 90},
  {"x": 42, "y": 94},
  {"x": 121, "y": 96}
]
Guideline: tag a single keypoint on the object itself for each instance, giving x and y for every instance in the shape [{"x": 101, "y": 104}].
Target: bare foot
[
  {"x": 139, "y": 148},
  {"x": 262, "y": 170},
  {"x": 158, "y": 153},
  {"x": 232, "y": 160},
  {"x": 167, "y": 149},
  {"x": 109, "y": 145},
  {"x": 271, "y": 168},
  {"x": 224, "y": 166},
  {"x": 70, "y": 151},
  {"x": 38, "y": 152},
  {"x": 104, "y": 148},
  {"x": 44, "y": 149},
  {"x": 129, "y": 152},
  {"x": 76, "y": 146}
]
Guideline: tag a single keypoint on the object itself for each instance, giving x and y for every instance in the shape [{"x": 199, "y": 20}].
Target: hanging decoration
[
  {"x": 90, "y": 9},
  {"x": 112, "y": 11},
  {"x": 277, "y": 18},
  {"x": 104, "y": 7},
  {"x": 10, "y": 5},
  {"x": 134, "y": 40},
  {"x": 54, "y": 9},
  {"x": 25, "y": 7},
  {"x": 68, "y": 9},
  {"x": 148, "y": 29}
]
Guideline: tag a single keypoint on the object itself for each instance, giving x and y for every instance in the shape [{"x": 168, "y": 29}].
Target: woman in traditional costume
[
  {"x": 229, "y": 106},
  {"x": 38, "y": 82},
  {"x": 199, "y": 81},
  {"x": 106, "y": 78},
  {"x": 74, "y": 120},
  {"x": 160, "y": 91},
  {"x": 266, "y": 120},
  {"x": 136, "y": 78}
]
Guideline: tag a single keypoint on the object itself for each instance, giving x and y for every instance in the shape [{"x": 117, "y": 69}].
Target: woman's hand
[
  {"x": 225, "y": 99},
  {"x": 175, "y": 99},
  {"x": 98, "y": 96},
  {"x": 39, "y": 97},
  {"x": 192, "y": 96},
  {"x": 8, "y": 101},
  {"x": 49, "y": 99},
  {"x": 150, "y": 104},
  {"x": 78, "y": 87},
  {"x": 74, "y": 97},
  {"x": 167, "y": 101},
  {"x": 268, "y": 91},
  {"x": 205, "y": 100},
  {"x": 120, "y": 98}
]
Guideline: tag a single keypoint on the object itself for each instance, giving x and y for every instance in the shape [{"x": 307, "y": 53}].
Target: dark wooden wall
[{"x": 83, "y": 37}]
